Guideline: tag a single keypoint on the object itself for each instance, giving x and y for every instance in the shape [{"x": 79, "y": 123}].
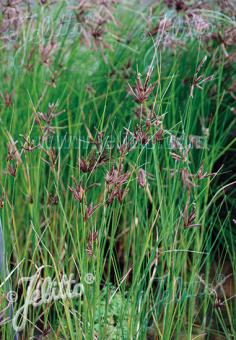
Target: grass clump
[{"x": 117, "y": 136}]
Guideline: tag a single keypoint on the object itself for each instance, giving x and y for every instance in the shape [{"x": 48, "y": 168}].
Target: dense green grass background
[{"x": 154, "y": 277}]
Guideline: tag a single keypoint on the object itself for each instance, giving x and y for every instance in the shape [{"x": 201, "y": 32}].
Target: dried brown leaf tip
[
  {"x": 142, "y": 92},
  {"x": 78, "y": 191},
  {"x": 141, "y": 178},
  {"x": 199, "y": 80},
  {"x": 91, "y": 240}
]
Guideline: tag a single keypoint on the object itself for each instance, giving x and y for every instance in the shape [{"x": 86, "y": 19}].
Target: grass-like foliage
[{"x": 117, "y": 167}]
